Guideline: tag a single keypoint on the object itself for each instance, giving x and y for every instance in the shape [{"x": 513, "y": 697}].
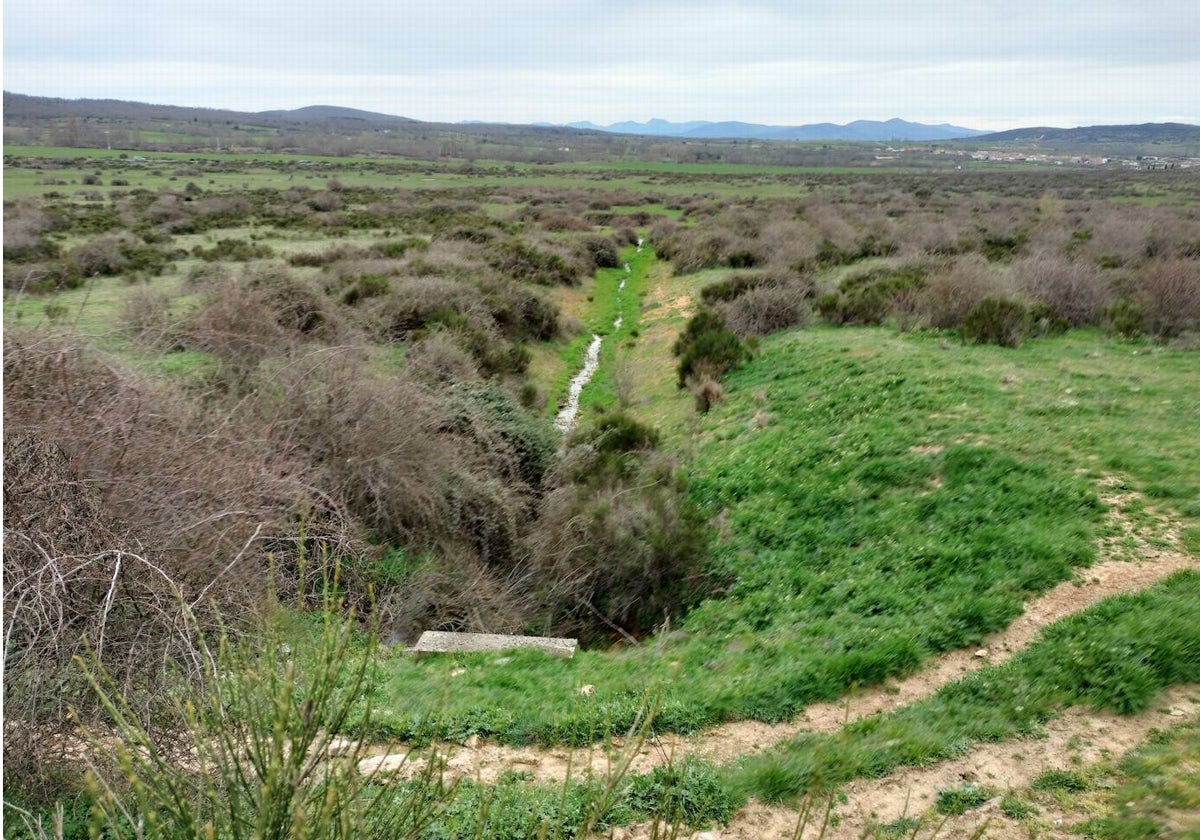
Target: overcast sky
[{"x": 977, "y": 63}]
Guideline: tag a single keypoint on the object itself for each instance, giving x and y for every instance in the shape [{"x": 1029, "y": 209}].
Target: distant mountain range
[
  {"x": 20, "y": 109},
  {"x": 1144, "y": 133},
  {"x": 862, "y": 130}
]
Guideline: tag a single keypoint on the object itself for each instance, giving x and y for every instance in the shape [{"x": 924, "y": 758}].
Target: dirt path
[
  {"x": 1154, "y": 541},
  {"x": 1078, "y": 737}
]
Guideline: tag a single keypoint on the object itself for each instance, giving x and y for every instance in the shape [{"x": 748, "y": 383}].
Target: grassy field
[{"x": 881, "y": 497}]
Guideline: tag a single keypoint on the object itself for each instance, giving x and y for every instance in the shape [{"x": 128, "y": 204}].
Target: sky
[{"x": 974, "y": 63}]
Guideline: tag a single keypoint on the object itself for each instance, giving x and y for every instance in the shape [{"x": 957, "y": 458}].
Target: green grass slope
[{"x": 878, "y": 498}]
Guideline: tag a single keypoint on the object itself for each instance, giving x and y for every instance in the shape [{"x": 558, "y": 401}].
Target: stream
[{"x": 564, "y": 421}]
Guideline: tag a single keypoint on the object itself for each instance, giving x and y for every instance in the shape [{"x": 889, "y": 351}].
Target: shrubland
[{"x": 230, "y": 398}]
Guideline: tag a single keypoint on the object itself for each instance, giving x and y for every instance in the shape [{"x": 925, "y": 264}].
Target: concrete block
[{"x": 436, "y": 641}]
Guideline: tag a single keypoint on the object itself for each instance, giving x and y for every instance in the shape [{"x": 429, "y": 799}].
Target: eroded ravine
[{"x": 565, "y": 420}]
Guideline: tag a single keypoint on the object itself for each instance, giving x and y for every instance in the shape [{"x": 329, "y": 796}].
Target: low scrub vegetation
[{"x": 339, "y": 381}]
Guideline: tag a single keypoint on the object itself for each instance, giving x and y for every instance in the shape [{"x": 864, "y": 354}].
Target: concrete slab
[{"x": 437, "y": 641}]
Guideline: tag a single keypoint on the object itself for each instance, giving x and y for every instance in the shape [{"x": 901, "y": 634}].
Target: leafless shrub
[
  {"x": 166, "y": 209},
  {"x": 559, "y": 221},
  {"x": 146, "y": 318},
  {"x": 455, "y": 592},
  {"x": 103, "y": 255},
  {"x": 830, "y": 224},
  {"x": 299, "y": 306},
  {"x": 706, "y": 389},
  {"x": 221, "y": 207},
  {"x": 442, "y": 359},
  {"x": 73, "y": 586},
  {"x": 768, "y": 309},
  {"x": 333, "y": 254},
  {"x": 239, "y": 327},
  {"x": 1117, "y": 238},
  {"x": 1072, "y": 290},
  {"x": 662, "y": 230},
  {"x": 928, "y": 233},
  {"x": 789, "y": 242},
  {"x": 25, "y": 230},
  {"x": 325, "y": 201},
  {"x": 120, "y": 498},
  {"x": 207, "y": 276},
  {"x": 375, "y": 441},
  {"x": 952, "y": 293},
  {"x": 197, "y": 486},
  {"x": 1168, "y": 292}
]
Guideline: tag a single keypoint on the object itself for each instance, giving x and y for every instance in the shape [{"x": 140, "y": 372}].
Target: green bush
[
  {"x": 708, "y": 346},
  {"x": 870, "y": 298},
  {"x": 1001, "y": 321},
  {"x": 690, "y": 793},
  {"x": 234, "y": 250},
  {"x": 261, "y": 724},
  {"x": 1015, "y": 808},
  {"x": 1124, "y": 318}
]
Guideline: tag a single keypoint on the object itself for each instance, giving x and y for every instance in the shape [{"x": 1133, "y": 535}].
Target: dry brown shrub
[
  {"x": 227, "y": 206},
  {"x": 707, "y": 391},
  {"x": 238, "y": 326},
  {"x": 197, "y": 486},
  {"x": 454, "y": 591},
  {"x": 442, "y": 359},
  {"x": 73, "y": 587},
  {"x": 931, "y": 233},
  {"x": 299, "y": 306},
  {"x": 1168, "y": 292},
  {"x": 955, "y": 291},
  {"x": 24, "y": 234},
  {"x": 121, "y": 498},
  {"x": 559, "y": 221},
  {"x": 1118, "y": 236},
  {"x": 167, "y": 210},
  {"x": 102, "y": 256},
  {"x": 831, "y": 224},
  {"x": 768, "y": 309},
  {"x": 375, "y": 441},
  {"x": 787, "y": 243},
  {"x": 146, "y": 318},
  {"x": 1073, "y": 290},
  {"x": 325, "y": 201}
]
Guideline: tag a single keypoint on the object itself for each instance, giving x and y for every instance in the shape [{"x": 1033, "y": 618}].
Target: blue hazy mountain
[{"x": 867, "y": 130}]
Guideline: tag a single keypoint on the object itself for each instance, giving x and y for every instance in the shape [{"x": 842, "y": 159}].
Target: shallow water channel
[{"x": 564, "y": 421}]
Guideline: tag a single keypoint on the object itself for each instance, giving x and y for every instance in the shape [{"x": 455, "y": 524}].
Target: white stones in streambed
[{"x": 565, "y": 421}]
